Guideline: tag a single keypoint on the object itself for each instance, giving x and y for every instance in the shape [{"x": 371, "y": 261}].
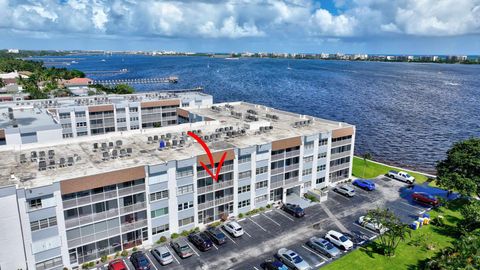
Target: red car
[
  {"x": 117, "y": 264},
  {"x": 425, "y": 198}
]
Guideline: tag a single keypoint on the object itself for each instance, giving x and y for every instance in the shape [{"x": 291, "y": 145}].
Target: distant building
[
  {"x": 13, "y": 51},
  {"x": 324, "y": 55},
  {"x": 457, "y": 58}
]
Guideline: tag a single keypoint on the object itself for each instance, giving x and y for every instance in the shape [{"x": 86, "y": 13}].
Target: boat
[
  {"x": 74, "y": 62},
  {"x": 123, "y": 70},
  {"x": 289, "y": 66},
  {"x": 232, "y": 58},
  {"x": 103, "y": 60}
]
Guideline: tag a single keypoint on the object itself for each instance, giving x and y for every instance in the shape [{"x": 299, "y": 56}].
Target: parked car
[
  {"x": 271, "y": 264},
  {"x": 117, "y": 264},
  {"x": 323, "y": 246},
  {"x": 292, "y": 259},
  {"x": 402, "y": 176},
  {"x": 216, "y": 235},
  {"x": 201, "y": 241},
  {"x": 371, "y": 224},
  {"x": 140, "y": 261},
  {"x": 163, "y": 255},
  {"x": 182, "y": 248},
  {"x": 293, "y": 209},
  {"x": 233, "y": 228},
  {"x": 425, "y": 198},
  {"x": 345, "y": 190},
  {"x": 339, "y": 240},
  {"x": 364, "y": 184}
]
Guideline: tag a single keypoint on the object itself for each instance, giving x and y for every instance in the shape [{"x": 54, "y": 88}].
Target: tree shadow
[{"x": 373, "y": 248}]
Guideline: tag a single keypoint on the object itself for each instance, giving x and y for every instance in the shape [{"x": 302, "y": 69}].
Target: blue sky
[{"x": 350, "y": 26}]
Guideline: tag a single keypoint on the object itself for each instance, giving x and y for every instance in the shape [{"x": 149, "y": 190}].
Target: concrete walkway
[{"x": 332, "y": 217}]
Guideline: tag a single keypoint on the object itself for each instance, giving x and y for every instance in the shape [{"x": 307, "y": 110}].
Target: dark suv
[
  {"x": 140, "y": 261},
  {"x": 216, "y": 235},
  {"x": 293, "y": 209},
  {"x": 201, "y": 241}
]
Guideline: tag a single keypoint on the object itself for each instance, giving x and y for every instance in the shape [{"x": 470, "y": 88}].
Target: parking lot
[{"x": 269, "y": 231}]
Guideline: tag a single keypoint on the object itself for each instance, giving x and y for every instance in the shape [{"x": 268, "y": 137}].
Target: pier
[{"x": 171, "y": 79}]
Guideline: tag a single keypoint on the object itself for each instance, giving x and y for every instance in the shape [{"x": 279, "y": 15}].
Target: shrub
[
  {"x": 162, "y": 239},
  {"x": 261, "y": 209},
  {"x": 196, "y": 229},
  {"x": 438, "y": 221},
  {"x": 174, "y": 235},
  {"x": 85, "y": 266},
  {"x": 311, "y": 197},
  {"x": 185, "y": 233},
  {"x": 124, "y": 253},
  {"x": 269, "y": 206},
  {"x": 134, "y": 249},
  {"x": 104, "y": 258},
  {"x": 117, "y": 254},
  {"x": 240, "y": 215},
  {"x": 216, "y": 224}
]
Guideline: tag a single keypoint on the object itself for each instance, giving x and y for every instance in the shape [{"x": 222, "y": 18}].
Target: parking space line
[
  {"x": 314, "y": 252},
  {"x": 416, "y": 207},
  {"x": 215, "y": 246},
  {"x": 173, "y": 255},
  {"x": 242, "y": 219},
  {"x": 247, "y": 233},
  {"x": 192, "y": 249},
  {"x": 337, "y": 195},
  {"x": 255, "y": 268},
  {"x": 318, "y": 264},
  {"x": 365, "y": 229},
  {"x": 149, "y": 255},
  {"x": 268, "y": 211},
  {"x": 280, "y": 212},
  {"x": 226, "y": 234},
  {"x": 257, "y": 224},
  {"x": 126, "y": 264},
  {"x": 256, "y": 215},
  {"x": 278, "y": 224}
]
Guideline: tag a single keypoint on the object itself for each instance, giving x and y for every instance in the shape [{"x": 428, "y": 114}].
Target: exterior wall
[
  {"x": 12, "y": 253},
  {"x": 49, "y": 135}
]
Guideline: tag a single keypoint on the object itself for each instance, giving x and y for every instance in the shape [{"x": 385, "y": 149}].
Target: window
[
  {"x": 120, "y": 110},
  {"x": 134, "y": 127},
  {"x": 261, "y": 198},
  {"x": 244, "y": 159},
  {"x": 81, "y": 124},
  {"x": 48, "y": 264},
  {"x": 79, "y": 114},
  {"x": 69, "y": 125},
  {"x": 184, "y": 172},
  {"x": 160, "y": 212},
  {"x": 262, "y": 184},
  {"x": 322, "y": 155},
  {"x": 133, "y": 109},
  {"x": 243, "y": 189},
  {"x": 308, "y": 159},
  {"x": 323, "y": 142},
  {"x": 339, "y": 161},
  {"x": 160, "y": 229},
  {"x": 134, "y": 118},
  {"x": 307, "y": 171},
  {"x": 321, "y": 168},
  {"x": 246, "y": 174},
  {"x": 64, "y": 115},
  {"x": 35, "y": 203},
  {"x": 244, "y": 203},
  {"x": 185, "y": 205},
  {"x": 261, "y": 170},
  {"x": 67, "y": 135},
  {"x": 185, "y": 189},
  {"x": 342, "y": 138},
  {"x": 121, "y": 120},
  {"x": 308, "y": 145},
  {"x": 185, "y": 221},
  {"x": 83, "y": 133},
  {"x": 320, "y": 180},
  {"x": 160, "y": 195},
  {"x": 341, "y": 149},
  {"x": 43, "y": 223}
]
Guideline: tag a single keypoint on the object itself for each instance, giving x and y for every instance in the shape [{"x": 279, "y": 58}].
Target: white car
[
  {"x": 233, "y": 228},
  {"x": 163, "y": 255},
  {"x": 339, "y": 240},
  {"x": 292, "y": 259},
  {"x": 371, "y": 224},
  {"x": 345, "y": 190}
]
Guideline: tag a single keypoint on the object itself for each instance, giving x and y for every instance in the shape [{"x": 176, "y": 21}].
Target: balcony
[
  {"x": 89, "y": 199},
  {"x": 340, "y": 155},
  {"x": 216, "y": 186},
  {"x": 224, "y": 169},
  {"x": 340, "y": 167},
  {"x": 134, "y": 225},
  {"x": 278, "y": 156},
  {"x": 292, "y": 167},
  {"x": 292, "y": 153},
  {"x": 277, "y": 171},
  {"x": 69, "y": 223},
  {"x": 291, "y": 180},
  {"x": 224, "y": 200},
  {"x": 131, "y": 190},
  {"x": 133, "y": 208},
  {"x": 95, "y": 237},
  {"x": 342, "y": 142},
  {"x": 205, "y": 205},
  {"x": 276, "y": 184}
]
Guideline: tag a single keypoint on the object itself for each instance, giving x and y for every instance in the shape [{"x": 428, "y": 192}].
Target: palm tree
[{"x": 366, "y": 156}]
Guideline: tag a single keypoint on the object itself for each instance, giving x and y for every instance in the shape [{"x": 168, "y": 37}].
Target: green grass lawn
[
  {"x": 372, "y": 170},
  {"x": 408, "y": 254}
]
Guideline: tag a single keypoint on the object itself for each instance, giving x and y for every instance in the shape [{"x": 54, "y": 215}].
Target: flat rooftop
[
  {"x": 89, "y": 162},
  {"x": 25, "y": 117}
]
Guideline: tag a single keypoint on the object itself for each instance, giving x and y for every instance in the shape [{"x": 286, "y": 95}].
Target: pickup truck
[{"x": 402, "y": 176}]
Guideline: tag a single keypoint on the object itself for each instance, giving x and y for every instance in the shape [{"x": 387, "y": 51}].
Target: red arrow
[{"x": 210, "y": 157}]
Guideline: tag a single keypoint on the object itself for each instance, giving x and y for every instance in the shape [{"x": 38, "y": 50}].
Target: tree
[
  {"x": 397, "y": 231},
  {"x": 464, "y": 254},
  {"x": 366, "y": 156},
  {"x": 460, "y": 171},
  {"x": 2, "y": 83},
  {"x": 471, "y": 216}
]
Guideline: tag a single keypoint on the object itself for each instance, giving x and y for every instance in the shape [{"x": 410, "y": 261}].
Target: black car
[
  {"x": 216, "y": 235},
  {"x": 294, "y": 210},
  {"x": 201, "y": 241},
  {"x": 140, "y": 261},
  {"x": 270, "y": 264}
]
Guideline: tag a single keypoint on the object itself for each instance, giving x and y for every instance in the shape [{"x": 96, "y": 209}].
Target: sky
[{"x": 292, "y": 26}]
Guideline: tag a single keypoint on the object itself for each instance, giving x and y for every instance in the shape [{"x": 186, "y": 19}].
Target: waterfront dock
[{"x": 171, "y": 79}]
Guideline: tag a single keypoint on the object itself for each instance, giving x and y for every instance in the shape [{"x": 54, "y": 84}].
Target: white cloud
[{"x": 243, "y": 18}]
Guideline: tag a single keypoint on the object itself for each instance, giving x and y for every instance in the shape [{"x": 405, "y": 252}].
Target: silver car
[
  {"x": 323, "y": 246},
  {"x": 163, "y": 255},
  {"x": 292, "y": 259},
  {"x": 345, "y": 190}
]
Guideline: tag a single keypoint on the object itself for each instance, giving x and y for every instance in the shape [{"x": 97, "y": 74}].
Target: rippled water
[{"x": 406, "y": 114}]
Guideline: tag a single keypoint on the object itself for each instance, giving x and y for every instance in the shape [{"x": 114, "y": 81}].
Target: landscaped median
[
  {"x": 370, "y": 169},
  {"x": 422, "y": 244}
]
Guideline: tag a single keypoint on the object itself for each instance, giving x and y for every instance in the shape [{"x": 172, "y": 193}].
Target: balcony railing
[
  {"x": 291, "y": 180},
  {"x": 342, "y": 142},
  {"x": 340, "y": 167},
  {"x": 291, "y": 167},
  {"x": 224, "y": 169},
  {"x": 340, "y": 155},
  {"x": 89, "y": 199},
  {"x": 134, "y": 225},
  {"x": 276, "y": 184},
  {"x": 224, "y": 200},
  {"x": 131, "y": 190},
  {"x": 292, "y": 153},
  {"x": 133, "y": 208},
  {"x": 97, "y": 236},
  {"x": 205, "y": 205},
  {"x": 69, "y": 223},
  {"x": 277, "y": 171},
  {"x": 278, "y": 156},
  {"x": 216, "y": 186}
]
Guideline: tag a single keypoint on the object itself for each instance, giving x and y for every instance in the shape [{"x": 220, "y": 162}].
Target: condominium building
[{"x": 71, "y": 201}]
